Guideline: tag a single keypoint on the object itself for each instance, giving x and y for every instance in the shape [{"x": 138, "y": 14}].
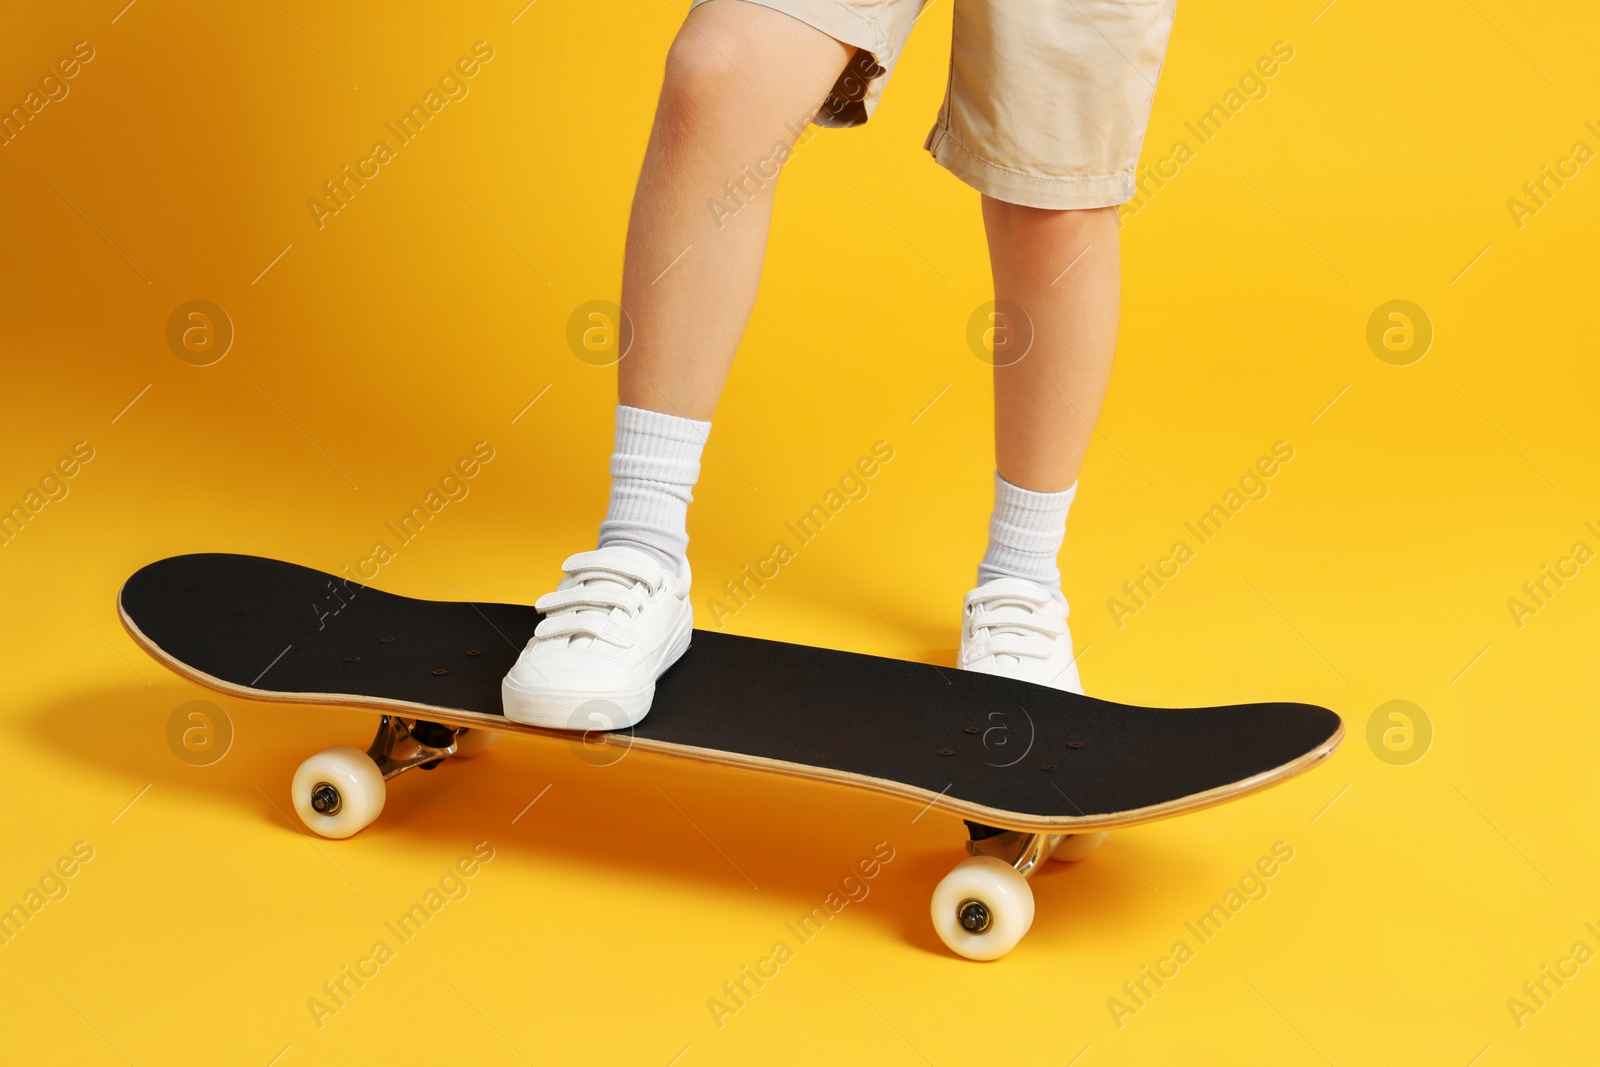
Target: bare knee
[
  {"x": 735, "y": 63},
  {"x": 696, "y": 69},
  {"x": 701, "y": 78}
]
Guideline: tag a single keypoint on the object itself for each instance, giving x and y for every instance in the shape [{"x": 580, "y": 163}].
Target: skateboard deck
[{"x": 1000, "y": 753}]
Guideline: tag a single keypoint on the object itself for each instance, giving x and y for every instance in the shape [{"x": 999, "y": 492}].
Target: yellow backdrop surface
[{"x": 1442, "y": 899}]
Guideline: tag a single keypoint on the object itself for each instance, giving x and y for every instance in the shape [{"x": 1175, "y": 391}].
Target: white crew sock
[
  {"x": 1025, "y": 534},
  {"x": 654, "y": 466}
]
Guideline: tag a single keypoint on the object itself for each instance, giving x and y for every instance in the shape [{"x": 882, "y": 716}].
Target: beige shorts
[{"x": 1047, "y": 101}]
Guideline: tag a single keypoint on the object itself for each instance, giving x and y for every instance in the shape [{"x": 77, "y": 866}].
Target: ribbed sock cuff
[
  {"x": 654, "y": 466},
  {"x": 658, "y": 447},
  {"x": 1026, "y": 530}
]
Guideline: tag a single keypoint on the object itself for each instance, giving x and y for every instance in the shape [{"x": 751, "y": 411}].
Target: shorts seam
[
  {"x": 870, "y": 24},
  {"x": 946, "y": 134}
]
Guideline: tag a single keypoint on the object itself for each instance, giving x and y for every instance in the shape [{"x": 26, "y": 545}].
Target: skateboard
[{"x": 1035, "y": 772}]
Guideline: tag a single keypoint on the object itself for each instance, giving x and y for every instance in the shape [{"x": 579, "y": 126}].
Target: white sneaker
[
  {"x": 613, "y": 625},
  {"x": 1015, "y": 628}
]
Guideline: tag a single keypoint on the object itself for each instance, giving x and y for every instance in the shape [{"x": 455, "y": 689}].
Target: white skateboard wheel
[
  {"x": 474, "y": 742},
  {"x": 1078, "y": 846},
  {"x": 982, "y": 908},
  {"x": 338, "y": 792}
]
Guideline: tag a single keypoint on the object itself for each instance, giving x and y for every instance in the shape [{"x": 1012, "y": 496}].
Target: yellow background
[{"x": 433, "y": 309}]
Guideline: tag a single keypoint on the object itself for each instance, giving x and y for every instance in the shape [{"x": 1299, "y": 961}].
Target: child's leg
[
  {"x": 741, "y": 80},
  {"x": 1074, "y": 83},
  {"x": 1060, "y": 269},
  {"x": 741, "y": 83},
  {"x": 1058, "y": 272},
  {"x": 1064, "y": 270}
]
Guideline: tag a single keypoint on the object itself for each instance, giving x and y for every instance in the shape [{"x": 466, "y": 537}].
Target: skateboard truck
[
  {"x": 1026, "y": 852},
  {"x": 401, "y": 744},
  {"x": 982, "y": 908},
  {"x": 341, "y": 789}
]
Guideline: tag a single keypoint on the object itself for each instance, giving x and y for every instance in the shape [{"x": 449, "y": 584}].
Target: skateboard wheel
[
  {"x": 1078, "y": 846},
  {"x": 338, "y": 792},
  {"x": 474, "y": 742},
  {"x": 982, "y": 908}
]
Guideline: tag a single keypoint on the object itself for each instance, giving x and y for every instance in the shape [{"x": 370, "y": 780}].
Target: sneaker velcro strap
[
  {"x": 1009, "y": 589},
  {"x": 602, "y": 596},
  {"x": 1019, "y": 619},
  {"x": 622, "y": 564}
]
